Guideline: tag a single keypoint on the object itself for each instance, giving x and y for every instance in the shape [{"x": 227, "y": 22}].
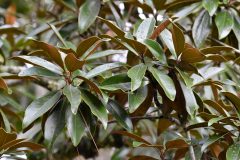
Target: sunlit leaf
[
  {"x": 211, "y": 6},
  {"x": 73, "y": 95},
  {"x": 136, "y": 74},
  {"x": 165, "y": 82},
  {"x": 201, "y": 28},
  {"x": 224, "y": 22},
  {"x": 40, "y": 106},
  {"x": 40, "y": 62},
  {"x": 145, "y": 29},
  {"x": 233, "y": 152}
]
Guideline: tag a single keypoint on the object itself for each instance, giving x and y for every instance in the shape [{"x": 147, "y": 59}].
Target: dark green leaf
[
  {"x": 116, "y": 82},
  {"x": 73, "y": 95},
  {"x": 96, "y": 106},
  {"x": 87, "y": 14},
  {"x": 191, "y": 103},
  {"x": 120, "y": 114},
  {"x": 40, "y": 106},
  {"x": 75, "y": 127},
  {"x": 55, "y": 123}
]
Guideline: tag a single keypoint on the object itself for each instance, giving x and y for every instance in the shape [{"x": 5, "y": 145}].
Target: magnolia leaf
[
  {"x": 136, "y": 98},
  {"x": 120, "y": 114},
  {"x": 136, "y": 74},
  {"x": 201, "y": 28},
  {"x": 73, "y": 95},
  {"x": 210, "y": 5},
  {"x": 72, "y": 63},
  {"x": 165, "y": 82},
  {"x": 145, "y": 29},
  {"x": 224, "y": 22},
  {"x": 37, "y": 71},
  {"x": 233, "y": 152},
  {"x": 96, "y": 106},
  {"x": 88, "y": 12},
  {"x": 75, "y": 127},
  {"x": 55, "y": 123},
  {"x": 178, "y": 39},
  {"x": 156, "y": 49},
  {"x": 40, "y": 62},
  {"x": 103, "y": 68},
  {"x": 40, "y": 106}
]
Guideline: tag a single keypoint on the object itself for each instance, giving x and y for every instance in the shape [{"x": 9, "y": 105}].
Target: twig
[
  {"x": 224, "y": 44},
  {"x": 140, "y": 118}
]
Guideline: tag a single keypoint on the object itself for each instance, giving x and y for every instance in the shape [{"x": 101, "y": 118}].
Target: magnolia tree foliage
[{"x": 147, "y": 79}]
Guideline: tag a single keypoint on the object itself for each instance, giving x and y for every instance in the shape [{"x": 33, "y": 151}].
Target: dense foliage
[{"x": 130, "y": 79}]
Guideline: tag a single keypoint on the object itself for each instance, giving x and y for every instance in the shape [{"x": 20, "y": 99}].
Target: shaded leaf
[
  {"x": 120, "y": 114},
  {"x": 55, "y": 123},
  {"x": 92, "y": 85},
  {"x": 178, "y": 39},
  {"x": 136, "y": 98},
  {"x": 88, "y": 12},
  {"x": 133, "y": 136},
  {"x": 75, "y": 127},
  {"x": 113, "y": 27},
  {"x": 210, "y": 141},
  {"x": 96, "y": 106}
]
